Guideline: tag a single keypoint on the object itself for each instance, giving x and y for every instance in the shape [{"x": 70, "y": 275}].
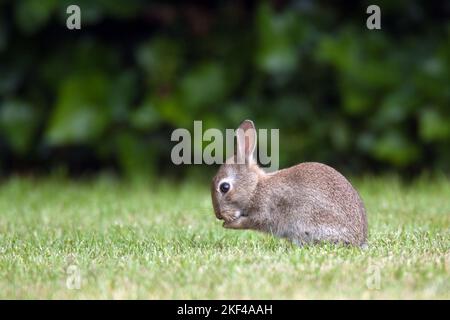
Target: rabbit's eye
[{"x": 224, "y": 187}]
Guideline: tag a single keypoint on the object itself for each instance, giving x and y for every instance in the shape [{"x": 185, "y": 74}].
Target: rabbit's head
[{"x": 233, "y": 186}]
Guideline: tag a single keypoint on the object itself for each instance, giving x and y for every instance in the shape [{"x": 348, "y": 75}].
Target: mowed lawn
[{"x": 162, "y": 241}]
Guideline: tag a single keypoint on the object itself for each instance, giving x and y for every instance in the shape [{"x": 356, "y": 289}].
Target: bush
[{"x": 109, "y": 95}]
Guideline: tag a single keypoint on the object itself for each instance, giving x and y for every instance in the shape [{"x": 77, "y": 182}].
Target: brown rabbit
[{"x": 307, "y": 203}]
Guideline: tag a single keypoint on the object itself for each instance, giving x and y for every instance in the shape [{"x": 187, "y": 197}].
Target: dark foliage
[{"x": 108, "y": 96}]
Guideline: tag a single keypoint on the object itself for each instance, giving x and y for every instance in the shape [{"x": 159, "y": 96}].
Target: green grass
[{"x": 163, "y": 241}]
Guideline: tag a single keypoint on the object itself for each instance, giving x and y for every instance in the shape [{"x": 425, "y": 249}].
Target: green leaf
[
  {"x": 204, "y": 86},
  {"x": 160, "y": 59},
  {"x": 136, "y": 158},
  {"x": 121, "y": 93},
  {"x": 81, "y": 113},
  {"x": 145, "y": 117},
  {"x": 396, "y": 149},
  {"x": 433, "y": 126},
  {"x": 171, "y": 110},
  {"x": 18, "y": 123},
  {"x": 32, "y": 15},
  {"x": 277, "y": 51}
]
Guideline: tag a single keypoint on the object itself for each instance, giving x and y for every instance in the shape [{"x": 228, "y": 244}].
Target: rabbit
[{"x": 308, "y": 203}]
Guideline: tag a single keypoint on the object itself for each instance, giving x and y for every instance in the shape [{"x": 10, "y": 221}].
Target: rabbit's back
[{"x": 312, "y": 202}]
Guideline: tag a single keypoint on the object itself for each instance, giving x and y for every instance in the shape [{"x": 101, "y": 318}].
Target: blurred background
[{"x": 106, "y": 98}]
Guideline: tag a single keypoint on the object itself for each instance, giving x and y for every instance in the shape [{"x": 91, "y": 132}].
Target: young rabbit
[{"x": 307, "y": 203}]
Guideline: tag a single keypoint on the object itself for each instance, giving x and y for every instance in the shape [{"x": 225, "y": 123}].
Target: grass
[{"x": 163, "y": 242}]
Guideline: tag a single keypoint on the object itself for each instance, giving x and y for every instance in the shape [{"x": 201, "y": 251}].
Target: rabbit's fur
[{"x": 307, "y": 203}]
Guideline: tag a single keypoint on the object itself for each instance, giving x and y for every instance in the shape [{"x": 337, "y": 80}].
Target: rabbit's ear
[{"x": 246, "y": 142}]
